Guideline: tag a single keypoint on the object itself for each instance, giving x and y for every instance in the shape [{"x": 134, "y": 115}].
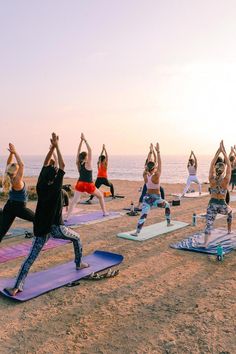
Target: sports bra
[
  {"x": 150, "y": 184},
  {"x": 218, "y": 189}
]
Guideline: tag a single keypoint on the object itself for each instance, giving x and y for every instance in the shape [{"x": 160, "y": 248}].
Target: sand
[{"x": 163, "y": 300}]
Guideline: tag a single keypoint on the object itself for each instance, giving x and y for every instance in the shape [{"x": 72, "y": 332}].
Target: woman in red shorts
[{"x": 85, "y": 181}]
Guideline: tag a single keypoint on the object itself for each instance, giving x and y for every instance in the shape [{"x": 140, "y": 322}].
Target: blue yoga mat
[
  {"x": 218, "y": 236},
  {"x": 42, "y": 282}
]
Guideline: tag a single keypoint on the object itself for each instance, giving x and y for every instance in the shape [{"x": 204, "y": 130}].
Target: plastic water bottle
[
  {"x": 220, "y": 253},
  {"x": 194, "y": 219},
  {"x": 132, "y": 207}
]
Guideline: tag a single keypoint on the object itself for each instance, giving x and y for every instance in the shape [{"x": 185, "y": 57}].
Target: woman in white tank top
[{"x": 192, "y": 169}]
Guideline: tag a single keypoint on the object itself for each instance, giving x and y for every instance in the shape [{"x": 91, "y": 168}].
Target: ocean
[{"x": 130, "y": 168}]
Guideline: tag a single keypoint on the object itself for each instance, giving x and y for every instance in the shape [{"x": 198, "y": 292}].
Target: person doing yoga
[
  {"x": 85, "y": 181},
  {"x": 102, "y": 173},
  {"x": 14, "y": 184},
  {"x": 232, "y": 158},
  {"x": 219, "y": 182},
  {"x": 192, "y": 169},
  {"x": 153, "y": 198},
  {"x": 151, "y": 157},
  {"x": 48, "y": 216}
]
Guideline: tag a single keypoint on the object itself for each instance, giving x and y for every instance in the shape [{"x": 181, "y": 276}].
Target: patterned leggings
[
  {"x": 61, "y": 232},
  {"x": 212, "y": 210},
  {"x": 152, "y": 200}
]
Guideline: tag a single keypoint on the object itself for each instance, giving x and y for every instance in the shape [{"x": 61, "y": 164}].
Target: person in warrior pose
[
  {"x": 102, "y": 173},
  {"x": 14, "y": 184},
  {"x": 219, "y": 178},
  {"x": 192, "y": 169},
  {"x": 85, "y": 181},
  {"x": 151, "y": 157},
  {"x": 48, "y": 216},
  {"x": 232, "y": 158},
  {"x": 151, "y": 175}
]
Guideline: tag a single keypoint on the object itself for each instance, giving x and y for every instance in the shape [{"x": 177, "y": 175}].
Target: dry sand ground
[{"x": 163, "y": 301}]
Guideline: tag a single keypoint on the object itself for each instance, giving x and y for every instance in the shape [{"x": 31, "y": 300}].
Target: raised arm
[
  {"x": 213, "y": 162},
  {"x": 195, "y": 159},
  {"x": 13, "y": 151},
  {"x": 49, "y": 155},
  {"x": 79, "y": 151},
  {"x": 89, "y": 162},
  {"x": 106, "y": 154},
  {"x": 55, "y": 143},
  {"x": 150, "y": 153},
  {"x": 10, "y": 157},
  {"x": 227, "y": 161},
  {"x": 157, "y": 147}
]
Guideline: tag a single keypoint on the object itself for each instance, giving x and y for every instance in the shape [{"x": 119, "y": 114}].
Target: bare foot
[
  {"x": 82, "y": 265},
  {"x": 12, "y": 291}
]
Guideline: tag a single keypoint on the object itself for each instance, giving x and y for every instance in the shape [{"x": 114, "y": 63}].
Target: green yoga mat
[{"x": 153, "y": 230}]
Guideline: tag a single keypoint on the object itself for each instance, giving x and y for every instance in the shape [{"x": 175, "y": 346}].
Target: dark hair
[
  {"x": 219, "y": 159},
  {"x": 191, "y": 161},
  {"x": 150, "y": 166},
  {"x": 82, "y": 156},
  {"x": 48, "y": 174},
  {"x": 102, "y": 158}
]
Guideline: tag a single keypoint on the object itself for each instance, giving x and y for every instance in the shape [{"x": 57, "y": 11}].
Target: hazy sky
[{"x": 125, "y": 72}]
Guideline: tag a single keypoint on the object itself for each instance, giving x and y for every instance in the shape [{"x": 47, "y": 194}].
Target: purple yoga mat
[
  {"x": 87, "y": 218},
  {"x": 41, "y": 282},
  {"x": 22, "y": 249}
]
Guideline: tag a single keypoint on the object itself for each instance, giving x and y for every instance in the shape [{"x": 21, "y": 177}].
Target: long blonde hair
[{"x": 11, "y": 169}]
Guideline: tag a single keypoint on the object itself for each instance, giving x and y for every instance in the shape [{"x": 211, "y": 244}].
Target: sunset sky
[{"x": 124, "y": 72}]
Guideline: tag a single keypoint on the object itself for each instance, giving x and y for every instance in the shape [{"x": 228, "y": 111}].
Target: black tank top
[{"x": 85, "y": 175}]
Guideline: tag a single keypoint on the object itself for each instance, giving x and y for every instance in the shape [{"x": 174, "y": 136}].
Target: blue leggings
[
  {"x": 61, "y": 232},
  {"x": 152, "y": 200}
]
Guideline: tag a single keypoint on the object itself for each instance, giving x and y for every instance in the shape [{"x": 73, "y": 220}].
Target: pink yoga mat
[{"x": 22, "y": 249}]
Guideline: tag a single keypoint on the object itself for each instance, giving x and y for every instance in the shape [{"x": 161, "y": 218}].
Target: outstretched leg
[
  {"x": 210, "y": 218},
  {"x": 65, "y": 233},
  {"x": 37, "y": 246},
  {"x": 99, "y": 195},
  {"x": 72, "y": 204},
  {"x": 147, "y": 203}
]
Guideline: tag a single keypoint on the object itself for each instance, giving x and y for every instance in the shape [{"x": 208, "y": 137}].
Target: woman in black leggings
[{"x": 16, "y": 204}]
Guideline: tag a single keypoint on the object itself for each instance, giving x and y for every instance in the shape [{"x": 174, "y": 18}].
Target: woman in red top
[
  {"x": 85, "y": 181},
  {"x": 102, "y": 173}
]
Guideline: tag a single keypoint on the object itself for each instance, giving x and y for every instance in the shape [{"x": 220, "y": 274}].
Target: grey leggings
[{"x": 212, "y": 210}]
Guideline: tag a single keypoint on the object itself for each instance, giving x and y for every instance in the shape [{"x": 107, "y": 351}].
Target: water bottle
[
  {"x": 132, "y": 207},
  {"x": 220, "y": 253},
  {"x": 194, "y": 219}
]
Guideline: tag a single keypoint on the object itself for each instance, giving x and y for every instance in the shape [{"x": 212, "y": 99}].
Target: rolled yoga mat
[{"x": 42, "y": 282}]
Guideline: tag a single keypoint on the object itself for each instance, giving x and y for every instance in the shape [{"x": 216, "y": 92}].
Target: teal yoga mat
[{"x": 153, "y": 231}]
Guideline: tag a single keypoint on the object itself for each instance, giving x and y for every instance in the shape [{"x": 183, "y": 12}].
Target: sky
[{"x": 123, "y": 72}]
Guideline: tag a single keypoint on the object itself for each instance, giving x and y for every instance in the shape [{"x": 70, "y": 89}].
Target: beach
[{"x": 163, "y": 300}]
